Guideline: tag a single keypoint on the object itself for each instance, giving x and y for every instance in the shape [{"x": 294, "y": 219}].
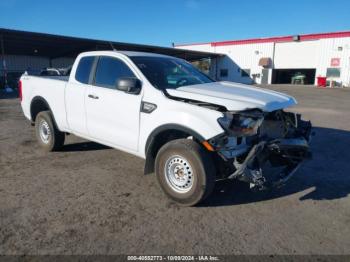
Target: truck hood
[{"x": 234, "y": 96}]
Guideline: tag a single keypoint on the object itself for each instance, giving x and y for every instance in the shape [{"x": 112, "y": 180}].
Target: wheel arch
[
  {"x": 162, "y": 135},
  {"x": 39, "y": 104}
]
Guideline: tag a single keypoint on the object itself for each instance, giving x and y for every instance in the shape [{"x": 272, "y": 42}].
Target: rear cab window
[{"x": 83, "y": 71}]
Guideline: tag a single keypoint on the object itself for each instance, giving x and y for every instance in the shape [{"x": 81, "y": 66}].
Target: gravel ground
[{"x": 91, "y": 199}]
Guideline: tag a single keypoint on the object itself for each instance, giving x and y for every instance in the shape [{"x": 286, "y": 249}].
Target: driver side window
[{"x": 109, "y": 70}]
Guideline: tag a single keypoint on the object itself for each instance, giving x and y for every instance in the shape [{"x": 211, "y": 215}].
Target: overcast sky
[{"x": 161, "y": 22}]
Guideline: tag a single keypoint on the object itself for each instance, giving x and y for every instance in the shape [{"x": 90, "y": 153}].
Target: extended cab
[{"x": 190, "y": 129}]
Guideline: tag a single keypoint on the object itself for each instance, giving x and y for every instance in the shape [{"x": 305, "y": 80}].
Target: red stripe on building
[
  {"x": 289, "y": 38},
  {"x": 254, "y": 41}
]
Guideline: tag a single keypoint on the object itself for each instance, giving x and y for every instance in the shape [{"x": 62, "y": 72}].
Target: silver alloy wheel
[
  {"x": 44, "y": 131},
  {"x": 178, "y": 174}
]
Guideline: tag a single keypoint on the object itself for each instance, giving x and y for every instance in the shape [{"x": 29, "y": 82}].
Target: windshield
[{"x": 169, "y": 72}]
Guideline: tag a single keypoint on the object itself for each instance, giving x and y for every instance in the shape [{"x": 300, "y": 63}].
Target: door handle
[{"x": 92, "y": 96}]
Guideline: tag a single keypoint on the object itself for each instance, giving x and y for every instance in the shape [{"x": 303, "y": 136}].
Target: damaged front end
[{"x": 263, "y": 149}]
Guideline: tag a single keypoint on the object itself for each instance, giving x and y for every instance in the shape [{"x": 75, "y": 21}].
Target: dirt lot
[{"x": 90, "y": 199}]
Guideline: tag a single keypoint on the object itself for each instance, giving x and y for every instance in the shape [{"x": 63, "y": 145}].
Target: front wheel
[{"x": 185, "y": 171}]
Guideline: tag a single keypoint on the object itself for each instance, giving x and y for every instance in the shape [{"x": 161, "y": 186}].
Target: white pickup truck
[{"x": 191, "y": 130}]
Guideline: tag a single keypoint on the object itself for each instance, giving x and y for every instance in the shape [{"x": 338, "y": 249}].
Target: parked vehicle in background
[
  {"x": 298, "y": 79},
  {"x": 190, "y": 129},
  {"x": 55, "y": 71},
  {"x": 50, "y": 72}
]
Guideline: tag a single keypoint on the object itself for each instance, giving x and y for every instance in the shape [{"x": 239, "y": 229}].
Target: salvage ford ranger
[{"x": 191, "y": 130}]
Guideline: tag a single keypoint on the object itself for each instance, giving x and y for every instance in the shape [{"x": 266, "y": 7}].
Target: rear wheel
[
  {"x": 185, "y": 171},
  {"x": 47, "y": 134}
]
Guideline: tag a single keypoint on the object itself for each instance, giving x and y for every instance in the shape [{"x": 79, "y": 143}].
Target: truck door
[
  {"x": 75, "y": 96},
  {"x": 112, "y": 115}
]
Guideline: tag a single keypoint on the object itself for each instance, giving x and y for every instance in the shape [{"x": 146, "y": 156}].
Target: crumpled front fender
[{"x": 271, "y": 163}]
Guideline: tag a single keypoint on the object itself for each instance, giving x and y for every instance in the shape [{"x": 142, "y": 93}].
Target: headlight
[{"x": 241, "y": 124}]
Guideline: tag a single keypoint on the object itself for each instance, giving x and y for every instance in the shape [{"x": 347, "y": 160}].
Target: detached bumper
[{"x": 271, "y": 164}]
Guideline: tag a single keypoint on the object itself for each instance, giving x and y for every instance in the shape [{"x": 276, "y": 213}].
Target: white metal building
[{"x": 277, "y": 60}]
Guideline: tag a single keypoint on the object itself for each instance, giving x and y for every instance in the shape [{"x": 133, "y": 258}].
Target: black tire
[
  {"x": 55, "y": 138},
  {"x": 201, "y": 165}
]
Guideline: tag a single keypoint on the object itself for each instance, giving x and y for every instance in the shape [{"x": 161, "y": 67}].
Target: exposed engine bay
[{"x": 263, "y": 149}]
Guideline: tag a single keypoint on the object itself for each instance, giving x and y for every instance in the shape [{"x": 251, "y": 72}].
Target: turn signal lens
[{"x": 208, "y": 146}]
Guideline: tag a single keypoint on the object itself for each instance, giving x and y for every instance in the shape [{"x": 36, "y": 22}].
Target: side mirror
[{"x": 130, "y": 85}]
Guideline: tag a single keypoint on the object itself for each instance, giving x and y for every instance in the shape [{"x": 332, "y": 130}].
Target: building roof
[
  {"x": 126, "y": 53},
  {"x": 48, "y": 45},
  {"x": 138, "y": 53},
  {"x": 277, "y": 39}
]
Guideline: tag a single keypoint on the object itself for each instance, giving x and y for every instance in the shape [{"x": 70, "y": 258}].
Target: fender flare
[
  {"x": 169, "y": 127},
  {"x": 43, "y": 100},
  {"x": 149, "y": 164}
]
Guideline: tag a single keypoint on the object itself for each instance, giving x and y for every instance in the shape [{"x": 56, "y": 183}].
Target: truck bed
[
  {"x": 60, "y": 78},
  {"x": 51, "y": 89}
]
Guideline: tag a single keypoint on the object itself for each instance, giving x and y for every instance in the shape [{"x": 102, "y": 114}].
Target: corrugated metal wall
[
  {"x": 296, "y": 55},
  {"x": 16, "y": 65},
  {"x": 22, "y": 63},
  {"x": 244, "y": 57},
  {"x": 34, "y": 63},
  {"x": 334, "y": 48},
  {"x": 62, "y": 62}
]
